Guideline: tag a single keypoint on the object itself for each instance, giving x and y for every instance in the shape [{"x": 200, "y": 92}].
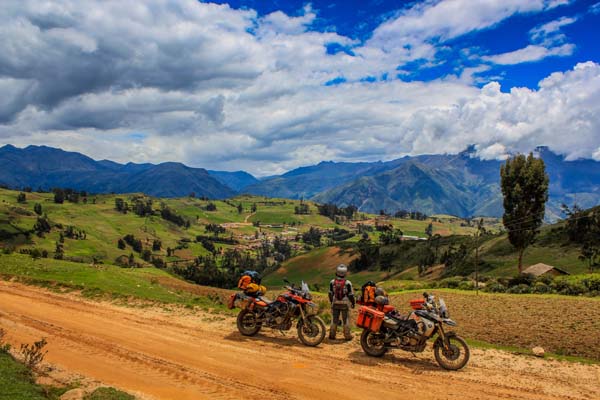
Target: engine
[{"x": 280, "y": 313}]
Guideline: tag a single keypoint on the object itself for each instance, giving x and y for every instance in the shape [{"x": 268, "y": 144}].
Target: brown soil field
[
  {"x": 559, "y": 324},
  {"x": 181, "y": 354}
]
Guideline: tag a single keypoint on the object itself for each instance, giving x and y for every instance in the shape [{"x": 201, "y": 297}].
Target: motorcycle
[
  {"x": 294, "y": 304},
  {"x": 386, "y": 329}
]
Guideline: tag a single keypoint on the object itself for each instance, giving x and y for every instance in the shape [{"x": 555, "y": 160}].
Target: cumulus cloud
[
  {"x": 213, "y": 86},
  {"x": 530, "y": 53}
]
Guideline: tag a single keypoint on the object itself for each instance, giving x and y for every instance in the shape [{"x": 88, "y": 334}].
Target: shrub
[
  {"x": 568, "y": 285},
  {"x": 33, "y": 354},
  {"x": 519, "y": 289},
  {"x": 541, "y": 287},
  {"x": 4, "y": 347},
  {"x": 495, "y": 287},
  {"x": 521, "y": 279},
  {"x": 466, "y": 285},
  {"x": 592, "y": 282}
]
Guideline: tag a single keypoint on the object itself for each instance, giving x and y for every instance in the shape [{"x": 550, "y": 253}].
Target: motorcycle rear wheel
[
  {"x": 372, "y": 343},
  {"x": 312, "y": 333},
  {"x": 454, "y": 358},
  {"x": 247, "y": 324}
]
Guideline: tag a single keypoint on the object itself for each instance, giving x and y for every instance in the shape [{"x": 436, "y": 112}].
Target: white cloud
[
  {"x": 222, "y": 88},
  {"x": 530, "y": 53}
]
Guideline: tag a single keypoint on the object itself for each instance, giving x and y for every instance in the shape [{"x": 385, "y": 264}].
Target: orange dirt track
[{"x": 176, "y": 354}]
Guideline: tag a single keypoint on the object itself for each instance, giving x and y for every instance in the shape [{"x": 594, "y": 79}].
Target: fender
[{"x": 439, "y": 342}]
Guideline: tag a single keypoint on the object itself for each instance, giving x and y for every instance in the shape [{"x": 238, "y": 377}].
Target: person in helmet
[{"x": 341, "y": 296}]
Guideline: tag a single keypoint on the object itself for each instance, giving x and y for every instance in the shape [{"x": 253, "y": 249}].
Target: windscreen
[{"x": 305, "y": 287}]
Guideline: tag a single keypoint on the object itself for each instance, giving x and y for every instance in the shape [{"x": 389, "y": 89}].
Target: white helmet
[{"x": 341, "y": 270}]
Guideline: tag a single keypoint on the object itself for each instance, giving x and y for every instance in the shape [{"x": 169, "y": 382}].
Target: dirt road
[{"x": 174, "y": 354}]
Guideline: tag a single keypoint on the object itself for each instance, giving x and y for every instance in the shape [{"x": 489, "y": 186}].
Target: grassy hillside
[
  {"x": 258, "y": 218},
  {"x": 316, "y": 268}
]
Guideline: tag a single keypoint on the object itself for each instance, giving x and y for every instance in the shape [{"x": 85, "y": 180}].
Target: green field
[
  {"x": 149, "y": 284},
  {"x": 104, "y": 225}
]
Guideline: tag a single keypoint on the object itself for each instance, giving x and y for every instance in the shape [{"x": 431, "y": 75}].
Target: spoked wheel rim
[
  {"x": 455, "y": 356},
  {"x": 311, "y": 331},
  {"x": 375, "y": 341},
  {"x": 247, "y": 323}
]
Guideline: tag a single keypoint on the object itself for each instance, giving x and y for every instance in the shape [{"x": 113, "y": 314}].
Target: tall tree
[{"x": 524, "y": 185}]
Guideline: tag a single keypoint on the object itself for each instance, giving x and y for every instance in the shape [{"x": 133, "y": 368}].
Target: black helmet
[
  {"x": 379, "y": 291},
  {"x": 381, "y": 300}
]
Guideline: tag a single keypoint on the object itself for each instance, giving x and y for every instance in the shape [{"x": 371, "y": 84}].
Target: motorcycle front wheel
[
  {"x": 247, "y": 323},
  {"x": 372, "y": 343},
  {"x": 312, "y": 332},
  {"x": 455, "y": 357}
]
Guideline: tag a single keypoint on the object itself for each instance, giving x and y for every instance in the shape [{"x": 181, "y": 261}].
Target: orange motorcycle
[{"x": 293, "y": 305}]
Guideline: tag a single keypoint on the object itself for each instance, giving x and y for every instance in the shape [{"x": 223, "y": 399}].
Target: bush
[
  {"x": 592, "y": 282},
  {"x": 494, "y": 287},
  {"x": 571, "y": 286},
  {"x": 33, "y": 354},
  {"x": 521, "y": 279},
  {"x": 519, "y": 289},
  {"x": 541, "y": 287},
  {"x": 4, "y": 347}
]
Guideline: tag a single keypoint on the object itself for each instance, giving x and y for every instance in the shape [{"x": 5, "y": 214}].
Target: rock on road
[{"x": 158, "y": 353}]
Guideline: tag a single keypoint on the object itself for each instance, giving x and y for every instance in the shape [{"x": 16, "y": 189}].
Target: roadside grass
[
  {"x": 17, "y": 382},
  {"x": 108, "y": 393},
  {"x": 102, "y": 280}
]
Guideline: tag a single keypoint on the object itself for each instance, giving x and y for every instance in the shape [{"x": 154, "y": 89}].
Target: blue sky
[
  {"x": 358, "y": 19},
  {"x": 267, "y": 86}
]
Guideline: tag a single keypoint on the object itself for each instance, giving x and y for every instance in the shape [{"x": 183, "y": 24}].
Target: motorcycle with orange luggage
[
  {"x": 295, "y": 304},
  {"x": 385, "y": 329}
]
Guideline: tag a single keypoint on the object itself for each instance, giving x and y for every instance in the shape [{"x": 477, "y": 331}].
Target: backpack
[
  {"x": 368, "y": 293},
  {"x": 244, "y": 281},
  {"x": 339, "y": 289}
]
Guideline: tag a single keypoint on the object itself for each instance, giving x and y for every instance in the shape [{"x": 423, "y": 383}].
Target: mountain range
[{"x": 460, "y": 184}]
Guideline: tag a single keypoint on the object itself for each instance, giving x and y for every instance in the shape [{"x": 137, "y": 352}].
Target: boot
[
  {"x": 332, "y": 332},
  {"x": 347, "y": 334}
]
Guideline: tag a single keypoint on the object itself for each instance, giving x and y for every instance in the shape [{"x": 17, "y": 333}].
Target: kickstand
[
  {"x": 282, "y": 332},
  {"x": 414, "y": 355}
]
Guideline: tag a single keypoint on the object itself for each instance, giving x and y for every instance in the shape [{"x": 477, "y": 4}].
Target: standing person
[{"x": 341, "y": 296}]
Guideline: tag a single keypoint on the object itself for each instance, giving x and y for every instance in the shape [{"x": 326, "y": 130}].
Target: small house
[{"x": 542, "y": 269}]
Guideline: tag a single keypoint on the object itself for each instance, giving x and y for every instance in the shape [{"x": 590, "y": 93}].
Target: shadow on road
[
  {"x": 415, "y": 364},
  {"x": 275, "y": 338}
]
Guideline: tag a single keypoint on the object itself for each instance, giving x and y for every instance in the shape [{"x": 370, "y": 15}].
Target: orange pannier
[
  {"x": 417, "y": 304},
  {"x": 369, "y": 318},
  {"x": 231, "y": 301}
]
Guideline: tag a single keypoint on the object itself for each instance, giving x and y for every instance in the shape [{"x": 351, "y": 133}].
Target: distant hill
[
  {"x": 237, "y": 180},
  {"x": 47, "y": 167},
  {"x": 461, "y": 184}
]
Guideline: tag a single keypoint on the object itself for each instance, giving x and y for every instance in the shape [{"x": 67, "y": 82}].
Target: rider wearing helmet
[{"x": 341, "y": 296}]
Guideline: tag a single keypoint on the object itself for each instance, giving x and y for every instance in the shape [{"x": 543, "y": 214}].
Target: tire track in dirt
[{"x": 184, "y": 355}]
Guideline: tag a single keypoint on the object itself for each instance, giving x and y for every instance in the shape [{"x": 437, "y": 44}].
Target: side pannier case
[{"x": 369, "y": 318}]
